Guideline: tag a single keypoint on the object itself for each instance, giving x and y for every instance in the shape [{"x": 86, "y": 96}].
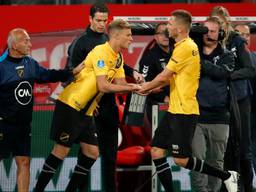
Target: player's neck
[
  {"x": 181, "y": 36},
  {"x": 15, "y": 54},
  {"x": 115, "y": 46}
]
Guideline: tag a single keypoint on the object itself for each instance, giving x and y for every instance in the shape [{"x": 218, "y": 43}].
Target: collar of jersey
[
  {"x": 181, "y": 41},
  {"x": 111, "y": 50},
  {"x": 13, "y": 59}
]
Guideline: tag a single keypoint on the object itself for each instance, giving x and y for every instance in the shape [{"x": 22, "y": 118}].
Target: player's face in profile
[
  {"x": 125, "y": 37},
  {"x": 99, "y": 22},
  {"x": 172, "y": 27},
  {"x": 22, "y": 44}
]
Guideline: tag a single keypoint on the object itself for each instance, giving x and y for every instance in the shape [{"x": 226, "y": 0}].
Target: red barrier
[{"x": 68, "y": 17}]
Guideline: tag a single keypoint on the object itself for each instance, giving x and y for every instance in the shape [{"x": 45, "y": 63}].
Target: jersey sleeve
[
  {"x": 44, "y": 75},
  {"x": 179, "y": 59},
  {"x": 99, "y": 63}
]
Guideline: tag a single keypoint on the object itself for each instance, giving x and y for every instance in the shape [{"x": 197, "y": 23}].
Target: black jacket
[
  {"x": 253, "y": 83},
  {"x": 151, "y": 64},
  {"x": 17, "y": 78},
  {"x": 243, "y": 66},
  {"x": 213, "y": 91}
]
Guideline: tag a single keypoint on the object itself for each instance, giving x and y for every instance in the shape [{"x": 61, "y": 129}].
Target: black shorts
[
  {"x": 15, "y": 140},
  {"x": 175, "y": 132},
  {"x": 70, "y": 126}
]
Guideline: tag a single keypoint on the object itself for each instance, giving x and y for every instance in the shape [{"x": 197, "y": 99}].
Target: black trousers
[
  {"x": 107, "y": 123},
  {"x": 243, "y": 162}
]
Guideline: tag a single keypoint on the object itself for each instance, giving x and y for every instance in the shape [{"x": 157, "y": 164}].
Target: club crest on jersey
[
  {"x": 100, "y": 64},
  {"x": 20, "y": 71}
]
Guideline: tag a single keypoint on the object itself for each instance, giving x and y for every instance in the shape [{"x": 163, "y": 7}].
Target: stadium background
[{"x": 52, "y": 29}]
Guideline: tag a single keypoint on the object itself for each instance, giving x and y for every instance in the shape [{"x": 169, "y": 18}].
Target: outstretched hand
[
  {"x": 134, "y": 87},
  {"x": 143, "y": 91}
]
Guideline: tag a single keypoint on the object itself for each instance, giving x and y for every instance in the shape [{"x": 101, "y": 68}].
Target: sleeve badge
[{"x": 100, "y": 64}]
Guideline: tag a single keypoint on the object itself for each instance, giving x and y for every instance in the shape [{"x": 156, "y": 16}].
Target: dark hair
[
  {"x": 183, "y": 16},
  {"x": 158, "y": 25},
  {"x": 98, "y": 7}
]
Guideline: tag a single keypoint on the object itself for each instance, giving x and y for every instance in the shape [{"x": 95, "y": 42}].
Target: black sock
[
  {"x": 164, "y": 173},
  {"x": 79, "y": 178},
  {"x": 199, "y": 166},
  {"x": 51, "y": 164}
]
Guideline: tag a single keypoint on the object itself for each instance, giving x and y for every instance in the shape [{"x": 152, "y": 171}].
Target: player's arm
[
  {"x": 162, "y": 79},
  {"x": 120, "y": 81},
  {"x": 106, "y": 87},
  {"x": 44, "y": 75}
]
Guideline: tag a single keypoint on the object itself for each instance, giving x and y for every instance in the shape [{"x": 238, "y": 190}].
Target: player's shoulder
[{"x": 101, "y": 49}]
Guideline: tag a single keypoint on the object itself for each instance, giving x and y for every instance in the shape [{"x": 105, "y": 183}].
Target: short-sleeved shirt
[
  {"x": 83, "y": 91},
  {"x": 185, "y": 64}
]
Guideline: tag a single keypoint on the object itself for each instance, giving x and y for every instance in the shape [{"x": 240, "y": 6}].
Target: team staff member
[
  {"x": 244, "y": 31},
  {"x": 18, "y": 73},
  {"x": 240, "y": 79},
  {"x": 152, "y": 63},
  {"x": 176, "y": 130},
  {"x": 107, "y": 130},
  {"x": 73, "y": 120},
  {"x": 212, "y": 130}
]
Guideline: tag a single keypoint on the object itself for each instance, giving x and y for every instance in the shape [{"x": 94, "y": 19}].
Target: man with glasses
[{"x": 153, "y": 62}]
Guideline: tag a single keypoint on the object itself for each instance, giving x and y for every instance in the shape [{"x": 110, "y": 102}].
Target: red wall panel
[{"x": 68, "y": 17}]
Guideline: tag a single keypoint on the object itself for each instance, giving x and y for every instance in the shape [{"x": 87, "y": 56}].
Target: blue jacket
[
  {"x": 213, "y": 91},
  {"x": 17, "y": 78}
]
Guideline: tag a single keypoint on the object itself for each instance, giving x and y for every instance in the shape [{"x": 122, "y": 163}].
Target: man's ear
[
  {"x": 90, "y": 18},
  {"x": 14, "y": 46}
]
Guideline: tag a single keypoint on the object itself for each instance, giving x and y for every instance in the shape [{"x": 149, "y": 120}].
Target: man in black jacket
[
  {"x": 212, "y": 130},
  {"x": 244, "y": 31},
  {"x": 18, "y": 73},
  {"x": 152, "y": 63},
  {"x": 107, "y": 130}
]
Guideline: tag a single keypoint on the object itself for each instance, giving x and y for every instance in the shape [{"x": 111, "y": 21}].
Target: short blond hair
[
  {"x": 183, "y": 16},
  {"x": 118, "y": 24}
]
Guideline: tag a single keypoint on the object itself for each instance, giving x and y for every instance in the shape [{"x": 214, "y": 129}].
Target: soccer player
[
  {"x": 73, "y": 115},
  {"x": 176, "y": 130}
]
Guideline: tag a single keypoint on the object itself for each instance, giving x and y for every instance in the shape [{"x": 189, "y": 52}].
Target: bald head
[
  {"x": 14, "y": 36},
  {"x": 244, "y": 31},
  {"x": 18, "y": 42}
]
